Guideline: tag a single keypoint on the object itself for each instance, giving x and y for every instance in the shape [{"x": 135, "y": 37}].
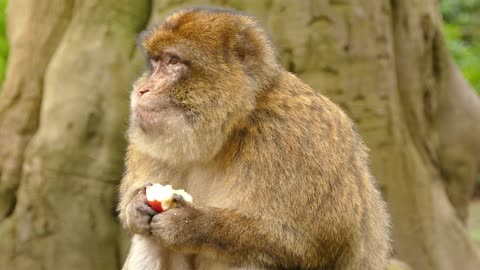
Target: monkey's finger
[
  {"x": 144, "y": 187},
  {"x": 179, "y": 200},
  {"x": 146, "y": 209},
  {"x": 147, "y": 184}
]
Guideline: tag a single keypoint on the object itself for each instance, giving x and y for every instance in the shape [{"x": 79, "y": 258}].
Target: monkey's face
[
  {"x": 150, "y": 101},
  {"x": 197, "y": 88}
]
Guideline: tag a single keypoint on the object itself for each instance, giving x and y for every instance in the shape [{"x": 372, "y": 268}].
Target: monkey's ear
[
  {"x": 255, "y": 51},
  {"x": 248, "y": 49}
]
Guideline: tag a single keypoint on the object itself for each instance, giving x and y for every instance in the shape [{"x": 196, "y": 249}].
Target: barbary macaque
[{"x": 278, "y": 174}]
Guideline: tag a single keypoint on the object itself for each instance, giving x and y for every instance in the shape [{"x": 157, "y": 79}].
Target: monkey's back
[{"x": 299, "y": 142}]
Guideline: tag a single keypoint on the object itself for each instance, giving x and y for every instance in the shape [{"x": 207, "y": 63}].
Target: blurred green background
[
  {"x": 3, "y": 40},
  {"x": 462, "y": 30}
]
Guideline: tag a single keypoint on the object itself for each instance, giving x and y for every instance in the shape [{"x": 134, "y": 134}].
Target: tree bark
[
  {"x": 63, "y": 112},
  {"x": 439, "y": 152},
  {"x": 32, "y": 43},
  {"x": 68, "y": 80}
]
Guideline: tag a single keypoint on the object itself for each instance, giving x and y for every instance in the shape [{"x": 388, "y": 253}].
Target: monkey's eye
[{"x": 173, "y": 60}]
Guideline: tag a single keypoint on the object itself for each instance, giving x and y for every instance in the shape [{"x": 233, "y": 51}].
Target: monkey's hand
[
  {"x": 231, "y": 235},
  {"x": 138, "y": 214},
  {"x": 179, "y": 228}
]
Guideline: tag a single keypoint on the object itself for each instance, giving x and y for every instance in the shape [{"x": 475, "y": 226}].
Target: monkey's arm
[
  {"x": 134, "y": 212},
  {"x": 232, "y": 236}
]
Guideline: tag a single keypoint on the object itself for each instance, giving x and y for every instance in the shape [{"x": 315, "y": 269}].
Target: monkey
[{"x": 278, "y": 173}]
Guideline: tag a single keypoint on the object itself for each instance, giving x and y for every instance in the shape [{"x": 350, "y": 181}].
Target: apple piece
[
  {"x": 157, "y": 206},
  {"x": 184, "y": 194},
  {"x": 160, "y": 197}
]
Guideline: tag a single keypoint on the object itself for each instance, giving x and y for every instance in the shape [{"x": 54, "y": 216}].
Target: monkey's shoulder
[{"x": 293, "y": 104}]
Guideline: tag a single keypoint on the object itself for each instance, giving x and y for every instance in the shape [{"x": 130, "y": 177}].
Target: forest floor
[{"x": 474, "y": 220}]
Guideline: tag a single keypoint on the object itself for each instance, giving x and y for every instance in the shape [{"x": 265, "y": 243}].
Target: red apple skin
[{"x": 156, "y": 205}]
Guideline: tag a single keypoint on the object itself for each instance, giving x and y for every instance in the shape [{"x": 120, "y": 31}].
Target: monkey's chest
[{"x": 211, "y": 188}]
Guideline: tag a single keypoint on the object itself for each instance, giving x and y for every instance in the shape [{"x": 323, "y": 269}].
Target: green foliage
[
  {"x": 462, "y": 30},
  {"x": 474, "y": 221},
  {"x": 3, "y": 40}
]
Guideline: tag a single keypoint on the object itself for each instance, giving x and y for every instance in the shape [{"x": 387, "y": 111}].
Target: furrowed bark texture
[{"x": 63, "y": 113}]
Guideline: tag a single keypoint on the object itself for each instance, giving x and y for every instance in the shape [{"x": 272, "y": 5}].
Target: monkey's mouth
[
  {"x": 146, "y": 119},
  {"x": 153, "y": 118},
  {"x": 146, "y": 114}
]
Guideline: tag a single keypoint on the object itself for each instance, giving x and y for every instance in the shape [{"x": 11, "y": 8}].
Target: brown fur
[{"x": 278, "y": 174}]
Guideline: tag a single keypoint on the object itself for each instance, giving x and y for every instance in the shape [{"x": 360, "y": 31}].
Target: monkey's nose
[{"x": 143, "y": 91}]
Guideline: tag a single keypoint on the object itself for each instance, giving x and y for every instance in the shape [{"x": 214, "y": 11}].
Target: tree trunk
[
  {"x": 32, "y": 43},
  {"x": 68, "y": 81},
  {"x": 64, "y": 107}
]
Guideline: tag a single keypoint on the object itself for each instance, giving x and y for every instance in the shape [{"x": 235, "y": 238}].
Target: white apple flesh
[{"x": 160, "y": 197}]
